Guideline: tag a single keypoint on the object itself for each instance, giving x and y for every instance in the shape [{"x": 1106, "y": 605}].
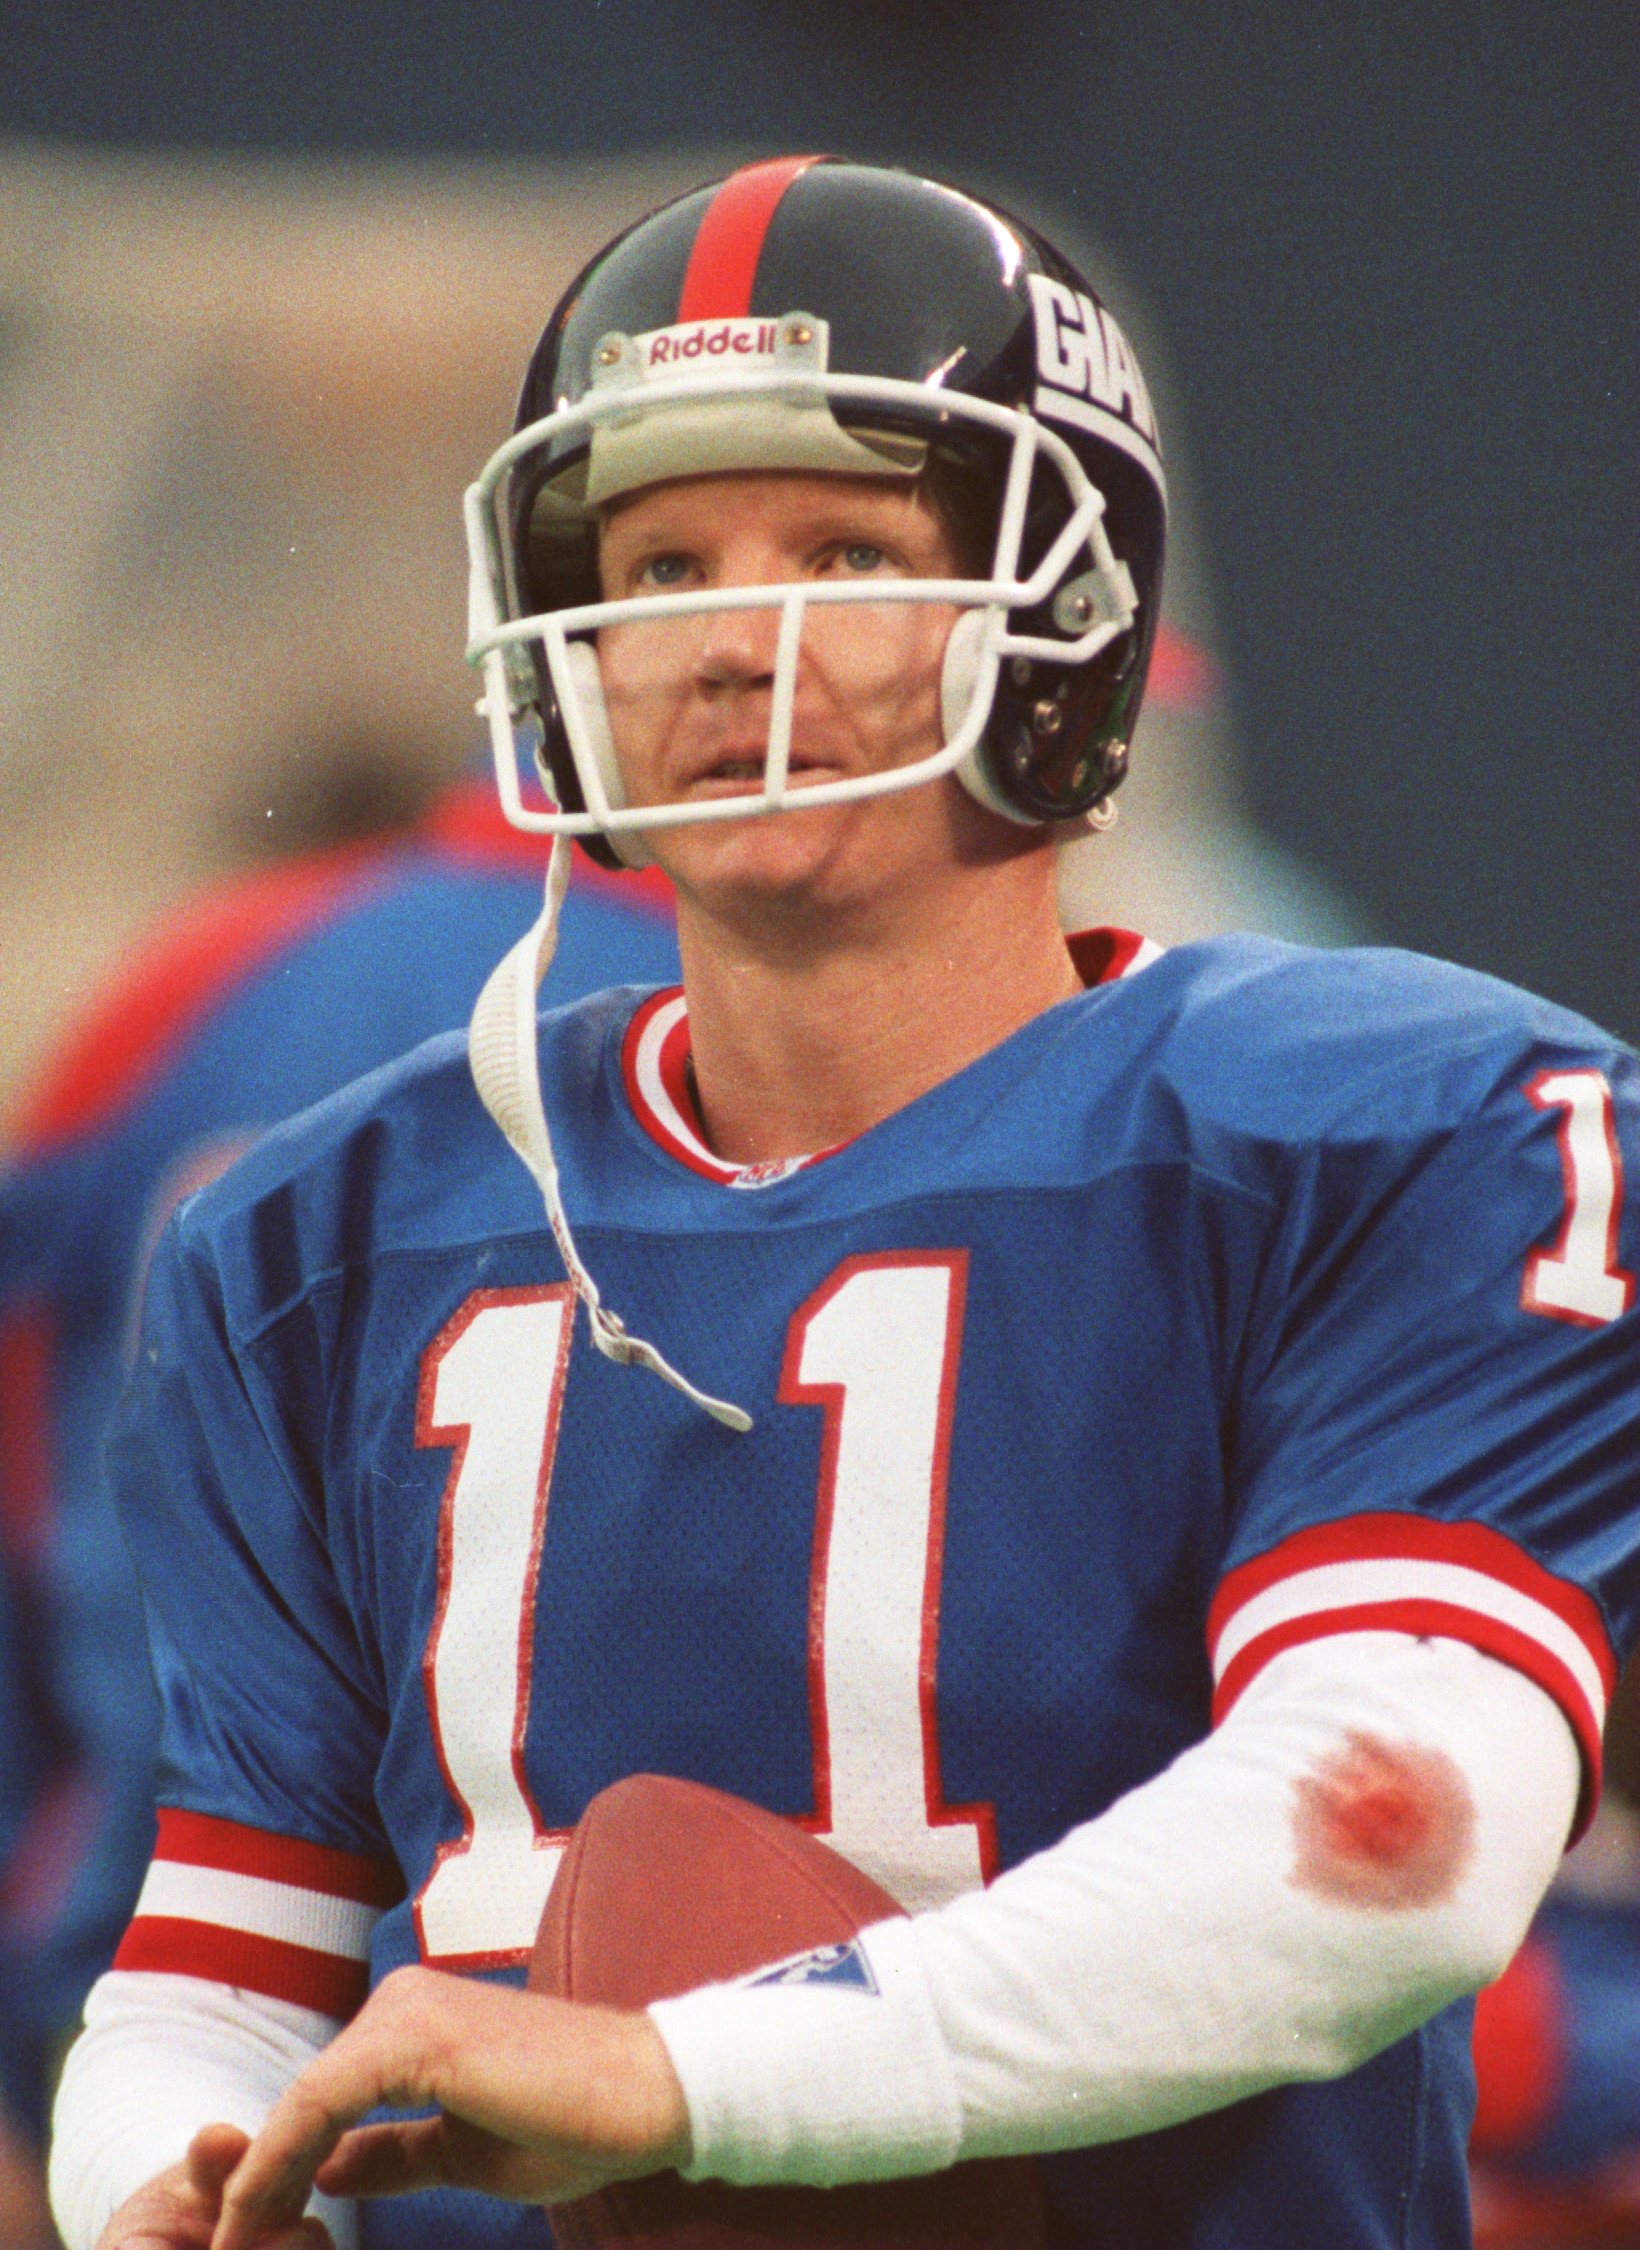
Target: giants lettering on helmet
[
  {"x": 1080, "y": 349},
  {"x": 697, "y": 343}
]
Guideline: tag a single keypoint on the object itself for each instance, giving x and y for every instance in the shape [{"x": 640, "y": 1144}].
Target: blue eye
[
  {"x": 665, "y": 570},
  {"x": 862, "y": 556}
]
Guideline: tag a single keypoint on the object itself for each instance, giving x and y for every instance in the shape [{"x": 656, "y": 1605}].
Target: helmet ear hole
[
  {"x": 581, "y": 662},
  {"x": 957, "y": 678}
]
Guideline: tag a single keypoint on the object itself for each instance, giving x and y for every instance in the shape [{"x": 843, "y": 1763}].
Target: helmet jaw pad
[
  {"x": 578, "y": 688},
  {"x": 959, "y": 681}
]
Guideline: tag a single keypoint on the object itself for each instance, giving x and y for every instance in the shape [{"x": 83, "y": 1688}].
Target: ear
[
  {"x": 957, "y": 679},
  {"x": 587, "y": 684}
]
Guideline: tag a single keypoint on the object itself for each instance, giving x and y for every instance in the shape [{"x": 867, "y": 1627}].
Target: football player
[{"x": 1138, "y": 1450}]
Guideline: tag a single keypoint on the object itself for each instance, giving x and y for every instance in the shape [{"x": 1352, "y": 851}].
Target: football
[{"x": 666, "y": 1885}]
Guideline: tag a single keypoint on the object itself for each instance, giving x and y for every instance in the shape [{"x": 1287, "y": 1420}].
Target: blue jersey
[
  {"x": 1251, "y": 1296},
  {"x": 248, "y": 1004},
  {"x": 25, "y": 1764}
]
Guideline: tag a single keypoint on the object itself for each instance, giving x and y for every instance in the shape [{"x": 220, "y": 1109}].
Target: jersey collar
[{"x": 655, "y": 1064}]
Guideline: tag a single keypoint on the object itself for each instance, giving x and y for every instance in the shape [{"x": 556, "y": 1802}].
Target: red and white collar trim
[
  {"x": 1103, "y": 956},
  {"x": 655, "y": 1063}
]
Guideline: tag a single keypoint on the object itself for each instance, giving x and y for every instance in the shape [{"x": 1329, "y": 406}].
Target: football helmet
[{"x": 808, "y": 313}]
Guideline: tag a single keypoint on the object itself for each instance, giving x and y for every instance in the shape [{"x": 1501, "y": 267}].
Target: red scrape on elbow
[{"x": 1382, "y": 1826}]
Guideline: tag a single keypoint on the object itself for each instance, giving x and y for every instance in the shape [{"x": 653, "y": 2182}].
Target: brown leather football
[{"x": 666, "y": 1885}]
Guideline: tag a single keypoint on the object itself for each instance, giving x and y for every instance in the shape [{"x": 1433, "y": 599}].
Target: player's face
[{"x": 690, "y": 698}]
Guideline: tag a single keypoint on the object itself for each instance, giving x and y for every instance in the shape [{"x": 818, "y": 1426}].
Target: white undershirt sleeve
[
  {"x": 159, "y": 2057},
  {"x": 1175, "y": 1954}
]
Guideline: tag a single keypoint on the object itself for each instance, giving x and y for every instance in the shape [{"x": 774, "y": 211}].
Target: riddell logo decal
[
  {"x": 1080, "y": 349},
  {"x": 692, "y": 341}
]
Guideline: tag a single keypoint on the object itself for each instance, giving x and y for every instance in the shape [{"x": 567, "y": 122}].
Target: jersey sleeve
[
  {"x": 269, "y": 1869},
  {"x": 1437, "y": 1423}
]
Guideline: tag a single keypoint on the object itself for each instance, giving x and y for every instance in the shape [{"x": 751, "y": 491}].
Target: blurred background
[{"x": 268, "y": 278}]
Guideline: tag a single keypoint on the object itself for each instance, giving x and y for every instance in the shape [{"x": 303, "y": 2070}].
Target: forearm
[
  {"x": 1279, "y": 1905},
  {"x": 159, "y": 2057}
]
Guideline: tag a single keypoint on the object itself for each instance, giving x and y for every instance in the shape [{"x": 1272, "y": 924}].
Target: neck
[{"x": 807, "y": 1029}]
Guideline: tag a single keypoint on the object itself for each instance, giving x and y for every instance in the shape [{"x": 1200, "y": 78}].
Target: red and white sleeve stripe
[
  {"x": 268, "y": 1913},
  {"x": 1396, "y": 1572}
]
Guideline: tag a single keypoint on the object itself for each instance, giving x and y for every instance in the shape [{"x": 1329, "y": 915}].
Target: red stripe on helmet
[{"x": 723, "y": 263}]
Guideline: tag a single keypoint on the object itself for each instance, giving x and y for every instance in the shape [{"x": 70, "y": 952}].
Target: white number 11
[
  {"x": 876, "y": 1348},
  {"x": 1579, "y": 1279}
]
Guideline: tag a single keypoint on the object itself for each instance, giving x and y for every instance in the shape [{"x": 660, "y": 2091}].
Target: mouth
[{"x": 739, "y": 772}]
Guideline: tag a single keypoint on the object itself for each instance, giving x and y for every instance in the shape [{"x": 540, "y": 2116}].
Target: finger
[
  {"x": 212, "y": 2154},
  {"x": 395, "y": 2159},
  {"x": 300, "y": 2234},
  {"x": 378, "y": 2059},
  {"x": 382, "y": 2160},
  {"x": 273, "y": 2179}
]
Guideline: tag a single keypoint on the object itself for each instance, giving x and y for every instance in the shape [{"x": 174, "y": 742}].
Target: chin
[{"x": 743, "y": 861}]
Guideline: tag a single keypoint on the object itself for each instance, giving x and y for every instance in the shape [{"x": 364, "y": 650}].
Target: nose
[{"x": 737, "y": 648}]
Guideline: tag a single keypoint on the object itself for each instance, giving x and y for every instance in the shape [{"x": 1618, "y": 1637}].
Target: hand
[
  {"x": 180, "y": 2209},
  {"x": 539, "y": 2101}
]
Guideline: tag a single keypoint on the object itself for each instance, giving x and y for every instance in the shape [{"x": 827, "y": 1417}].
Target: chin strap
[{"x": 501, "y": 1052}]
